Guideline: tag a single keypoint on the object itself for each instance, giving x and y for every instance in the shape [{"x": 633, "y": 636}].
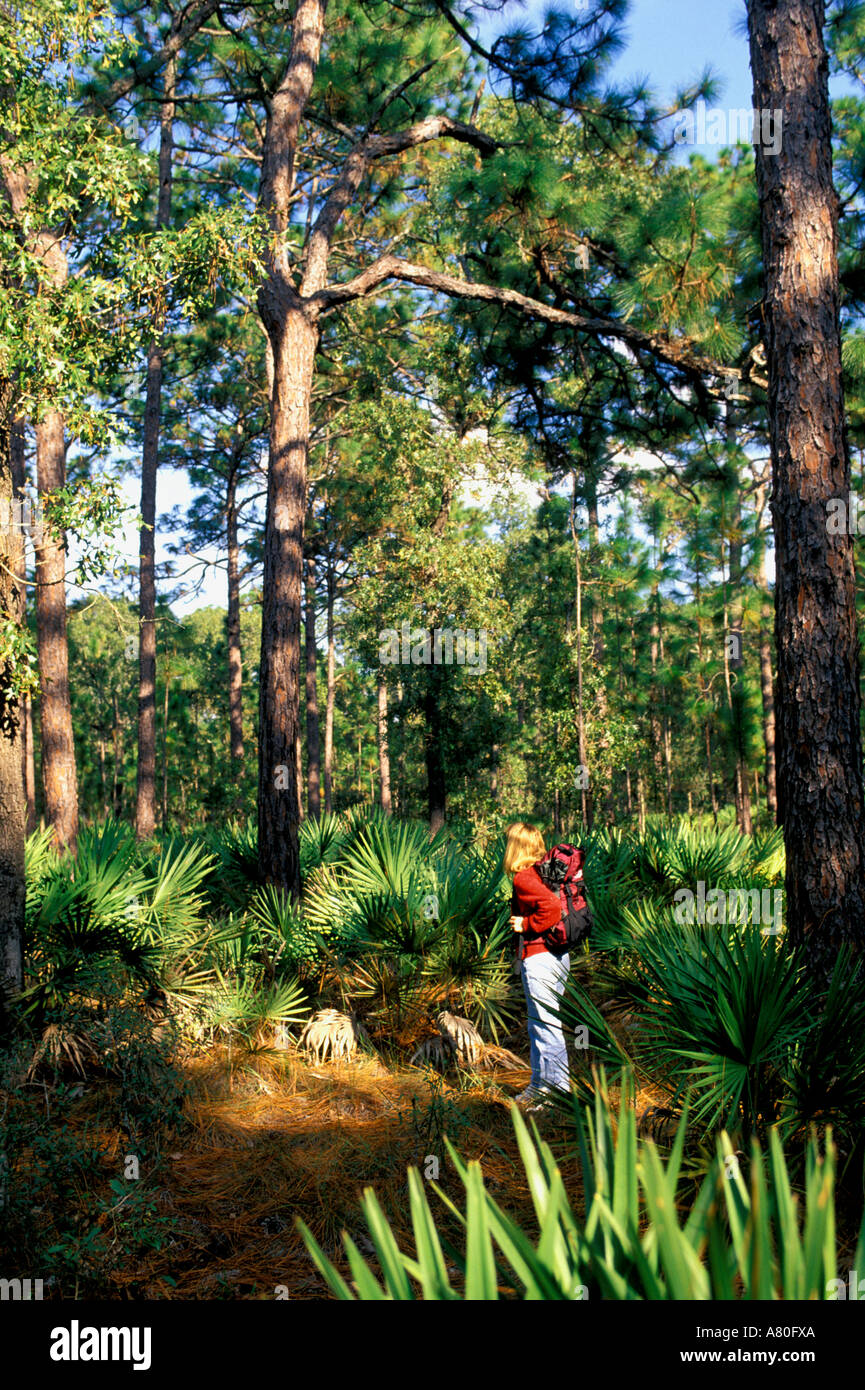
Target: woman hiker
[{"x": 535, "y": 909}]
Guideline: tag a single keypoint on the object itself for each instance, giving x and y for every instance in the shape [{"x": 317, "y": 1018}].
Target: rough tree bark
[
  {"x": 59, "y": 778},
  {"x": 18, "y": 462},
  {"x": 235, "y": 654},
  {"x": 330, "y": 699},
  {"x": 12, "y": 810},
  {"x": 145, "y": 807},
  {"x": 383, "y": 749},
  {"x": 292, "y": 329},
  {"x": 313, "y": 736},
  {"x": 819, "y": 753}
]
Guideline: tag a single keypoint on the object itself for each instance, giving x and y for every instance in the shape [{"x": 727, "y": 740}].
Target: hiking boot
[
  {"x": 540, "y": 1105},
  {"x": 526, "y": 1097}
]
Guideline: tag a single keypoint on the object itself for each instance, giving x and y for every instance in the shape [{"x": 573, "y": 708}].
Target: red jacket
[{"x": 539, "y": 908}]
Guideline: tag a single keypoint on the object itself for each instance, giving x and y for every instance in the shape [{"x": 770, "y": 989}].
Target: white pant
[{"x": 544, "y": 979}]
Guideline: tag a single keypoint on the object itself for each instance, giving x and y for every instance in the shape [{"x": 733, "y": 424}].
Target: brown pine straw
[
  {"x": 272, "y": 1136},
  {"x": 275, "y": 1137}
]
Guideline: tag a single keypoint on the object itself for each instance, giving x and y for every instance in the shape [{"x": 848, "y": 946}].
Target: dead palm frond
[{"x": 331, "y": 1034}]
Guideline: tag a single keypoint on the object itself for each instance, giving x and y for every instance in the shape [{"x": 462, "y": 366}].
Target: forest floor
[
  {"x": 268, "y": 1143},
  {"x": 290, "y": 1139},
  {"x": 265, "y": 1139}
]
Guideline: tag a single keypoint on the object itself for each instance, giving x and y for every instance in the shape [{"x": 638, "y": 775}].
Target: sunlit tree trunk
[
  {"x": 292, "y": 328},
  {"x": 330, "y": 698},
  {"x": 59, "y": 779},
  {"x": 164, "y": 809},
  {"x": 819, "y": 753},
  {"x": 12, "y": 808},
  {"x": 313, "y": 736},
  {"x": 383, "y": 748},
  {"x": 18, "y": 462}
]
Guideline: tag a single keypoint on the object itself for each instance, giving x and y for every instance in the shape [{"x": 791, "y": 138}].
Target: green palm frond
[
  {"x": 322, "y": 840},
  {"x": 721, "y": 1012},
  {"x": 746, "y": 1239},
  {"x": 392, "y": 857},
  {"x": 173, "y": 902}
]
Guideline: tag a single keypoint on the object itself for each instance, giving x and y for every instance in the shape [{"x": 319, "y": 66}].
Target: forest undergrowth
[{"x": 207, "y": 1078}]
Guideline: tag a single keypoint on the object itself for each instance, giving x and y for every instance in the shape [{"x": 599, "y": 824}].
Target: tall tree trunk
[
  {"x": 163, "y": 818},
  {"x": 434, "y": 749},
  {"x": 12, "y": 829},
  {"x": 383, "y": 749},
  {"x": 291, "y": 324},
  {"x": 235, "y": 655},
  {"x": 313, "y": 736},
  {"x": 29, "y": 765},
  {"x": 145, "y": 808},
  {"x": 58, "y": 748},
  {"x": 18, "y": 463},
  {"x": 330, "y": 700},
  {"x": 59, "y": 777},
  {"x": 294, "y": 343},
  {"x": 820, "y": 785},
  {"x": 117, "y": 745},
  {"x": 767, "y": 686}
]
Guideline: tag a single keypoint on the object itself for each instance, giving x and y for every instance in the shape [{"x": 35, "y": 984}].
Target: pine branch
[
  {"x": 680, "y": 355},
  {"x": 368, "y": 149}
]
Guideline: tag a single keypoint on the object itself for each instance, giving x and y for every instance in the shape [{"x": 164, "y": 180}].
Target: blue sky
[{"x": 670, "y": 43}]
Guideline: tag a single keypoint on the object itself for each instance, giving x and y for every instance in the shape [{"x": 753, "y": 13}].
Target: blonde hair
[{"x": 524, "y": 846}]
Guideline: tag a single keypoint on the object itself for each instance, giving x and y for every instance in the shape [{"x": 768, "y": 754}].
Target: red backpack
[{"x": 561, "y": 869}]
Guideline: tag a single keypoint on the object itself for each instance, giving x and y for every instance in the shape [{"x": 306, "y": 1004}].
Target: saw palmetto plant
[
  {"x": 419, "y": 924},
  {"x": 730, "y": 1018}
]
